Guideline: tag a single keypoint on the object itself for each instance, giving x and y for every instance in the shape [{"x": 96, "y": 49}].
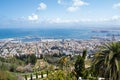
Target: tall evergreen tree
[
  {"x": 79, "y": 67},
  {"x": 31, "y": 76},
  {"x": 84, "y": 54}
]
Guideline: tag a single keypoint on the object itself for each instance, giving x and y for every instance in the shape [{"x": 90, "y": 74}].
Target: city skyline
[{"x": 68, "y": 13}]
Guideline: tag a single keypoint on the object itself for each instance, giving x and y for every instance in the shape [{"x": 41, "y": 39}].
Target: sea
[{"x": 52, "y": 33}]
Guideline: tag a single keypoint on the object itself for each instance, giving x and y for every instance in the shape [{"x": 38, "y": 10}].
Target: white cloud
[
  {"x": 33, "y": 17},
  {"x": 59, "y": 1},
  {"x": 113, "y": 20},
  {"x": 76, "y": 4},
  {"x": 34, "y": 20},
  {"x": 116, "y": 6},
  {"x": 110, "y": 20},
  {"x": 62, "y": 2},
  {"x": 42, "y": 6},
  {"x": 56, "y": 20},
  {"x": 116, "y": 17},
  {"x": 72, "y": 9}
]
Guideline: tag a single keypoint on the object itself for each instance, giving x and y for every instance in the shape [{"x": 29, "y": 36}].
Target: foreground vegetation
[
  {"x": 105, "y": 63},
  {"x": 5, "y": 75}
]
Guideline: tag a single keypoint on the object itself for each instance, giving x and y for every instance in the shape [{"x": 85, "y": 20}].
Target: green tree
[
  {"x": 47, "y": 72},
  {"x": 31, "y": 77},
  {"x": 79, "y": 67},
  {"x": 25, "y": 77},
  {"x": 42, "y": 74},
  {"x": 36, "y": 75},
  {"x": 84, "y": 54},
  {"x": 12, "y": 68},
  {"x": 106, "y": 62},
  {"x": 33, "y": 58}
]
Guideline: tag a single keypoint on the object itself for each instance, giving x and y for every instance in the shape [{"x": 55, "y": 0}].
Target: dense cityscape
[
  {"x": 46, "y": 55},
  {"x": 48, "y": 46}
]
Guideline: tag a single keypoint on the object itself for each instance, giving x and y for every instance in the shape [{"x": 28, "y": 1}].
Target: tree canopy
[{"x": 106, "y": 62}]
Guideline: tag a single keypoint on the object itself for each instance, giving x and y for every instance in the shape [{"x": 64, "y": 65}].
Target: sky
[{"x": 58, "y": 13}]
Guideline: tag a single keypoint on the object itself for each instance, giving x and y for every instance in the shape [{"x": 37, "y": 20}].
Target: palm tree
[{"x": 106, "y": 63}]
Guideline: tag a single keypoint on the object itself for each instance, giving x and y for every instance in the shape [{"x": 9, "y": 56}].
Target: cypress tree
[
  {"x": 41, "y": 74},
  {"x": 25, "y": 77},
  {"x": 31, "y": 77},
  {"x": 36, "y": 75},
  {"x": 79, "y": 67},
  {"x": 47, "y": 72},
  {"x": 84, "y": 54}
]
